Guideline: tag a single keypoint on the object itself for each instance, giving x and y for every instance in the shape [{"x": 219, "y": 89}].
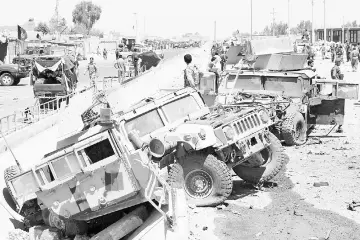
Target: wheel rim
[
  {"x": 6, "y": 80},
  {"x": 198, "y": 184}
]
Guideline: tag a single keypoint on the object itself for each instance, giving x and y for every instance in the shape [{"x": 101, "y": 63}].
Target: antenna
[
  {"x": 7, "y": 145},
  {"x": 273, "y": 28}
]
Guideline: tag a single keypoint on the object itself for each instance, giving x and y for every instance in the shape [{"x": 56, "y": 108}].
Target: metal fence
[{"x": 21, "y": 119}]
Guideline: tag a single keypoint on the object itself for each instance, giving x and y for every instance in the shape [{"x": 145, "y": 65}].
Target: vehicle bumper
[
  {"x": 253, "y": 143},
  {"x": 21, "y": 74}
]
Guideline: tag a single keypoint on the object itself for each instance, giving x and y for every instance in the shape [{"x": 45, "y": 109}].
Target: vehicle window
[
  {"x": 99, "y": 151},
  {"x": 180, "y": 108},
  {"x": 25, "y": 184},
  {"x": 145, "y": 123},
  {"x": 244, "y": 82}
]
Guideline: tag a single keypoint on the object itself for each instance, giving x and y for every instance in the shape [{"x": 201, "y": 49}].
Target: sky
[{"x": 167, "y": 18}]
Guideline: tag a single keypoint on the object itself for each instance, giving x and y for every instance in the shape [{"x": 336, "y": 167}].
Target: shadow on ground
[{"x": 287, "y": 217}]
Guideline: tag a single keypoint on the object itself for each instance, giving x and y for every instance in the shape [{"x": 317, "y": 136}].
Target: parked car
[{"x": 11, "y": 74}]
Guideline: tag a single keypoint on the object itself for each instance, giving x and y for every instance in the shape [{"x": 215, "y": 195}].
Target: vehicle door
[{"x": 328, "y": 106}]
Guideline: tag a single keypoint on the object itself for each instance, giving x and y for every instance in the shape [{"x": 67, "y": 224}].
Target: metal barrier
[{"x": 33, "y": 114}]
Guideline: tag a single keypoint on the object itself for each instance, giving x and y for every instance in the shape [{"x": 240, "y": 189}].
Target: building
[{"x": 352, "y": 34}]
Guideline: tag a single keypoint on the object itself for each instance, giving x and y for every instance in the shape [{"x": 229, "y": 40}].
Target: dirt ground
[{"x": 290, "y": 206}]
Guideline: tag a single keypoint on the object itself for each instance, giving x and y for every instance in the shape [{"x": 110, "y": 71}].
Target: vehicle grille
[{"x": 247, "y": 124}]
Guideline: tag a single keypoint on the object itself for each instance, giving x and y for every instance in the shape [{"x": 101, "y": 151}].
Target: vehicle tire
[
  {"x": 273, "y": 157},
  {"x": 293, "y": 129},
  {"x": 212, "y": 174},
  {"x": 6, "y": 79},
  {"x": 9, "y": 173},
  {"x": 16, "y": 81},
  {"x": 69, "y": 226}
]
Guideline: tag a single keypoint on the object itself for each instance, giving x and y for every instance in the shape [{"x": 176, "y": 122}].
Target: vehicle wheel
[
  {"x": 6, "y": 79},
  {"x": 293, "y": 129},
  {"x": 207, "y": 180},
  {"x": 9, "y": 173},
  {"x": 264, "y": 165},
  {"x": 16, "y": 81},
  {"x": 69, "y": 226}
]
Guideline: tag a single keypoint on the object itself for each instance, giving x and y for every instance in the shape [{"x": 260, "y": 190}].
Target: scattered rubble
[{"x": 320, "y": 184}]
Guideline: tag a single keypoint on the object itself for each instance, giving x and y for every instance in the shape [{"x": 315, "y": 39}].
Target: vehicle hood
[{"x": 8, "y": 67}]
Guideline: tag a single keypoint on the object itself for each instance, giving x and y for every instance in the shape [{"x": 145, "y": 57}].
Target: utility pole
[
  {"x": 273, "y": 28},
  {"x": 343, "y": 31},
  {"x": 144, "y": 27},
  {"x": 312, "y": 21},
  {"x": 288, "y": 17},
  {"x": 214, "y": 31},
  {"x": 251, "y": 26},
  {"x": 325, "y": 39},
  {"x": 136, "y": 28}
]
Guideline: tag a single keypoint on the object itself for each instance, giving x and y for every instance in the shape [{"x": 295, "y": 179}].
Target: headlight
[
  {"x": 202, "y": 134},
  {"x": 229, "y": 132},
  {"x": 264, "y": 117}
]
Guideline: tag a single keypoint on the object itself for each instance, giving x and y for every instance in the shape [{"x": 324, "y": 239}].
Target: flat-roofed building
[{"x": 352, "y": 34}]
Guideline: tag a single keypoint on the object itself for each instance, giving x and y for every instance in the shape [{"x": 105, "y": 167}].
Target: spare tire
[
  {"x": 264, "y": 165},
  {"x": 293, "y": 129},
  {"x": 10, "y": 173},
  {"x": 207, "y": 180}
]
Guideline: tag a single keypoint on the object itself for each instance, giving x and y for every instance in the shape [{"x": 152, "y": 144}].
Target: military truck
[
  {"x": 180, "y": 128},
  {"x": 53, "y": 77},
  {"x": 295, "y": 97},
  {"x": 88, "y": 176}
]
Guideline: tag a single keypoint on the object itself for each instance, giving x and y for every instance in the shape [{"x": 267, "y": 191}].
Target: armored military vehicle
[
  {"x": 88, "y": 176},
  {"x": 295, "y": 97},
  {"x": 180, "y": 128}
]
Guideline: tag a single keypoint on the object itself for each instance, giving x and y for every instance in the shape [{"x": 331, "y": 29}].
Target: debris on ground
[
  {"x": 313, "y": 141},
  {"x": 353, "y": 205},
  {"x": 320, "y": 184},
  {"x": 18, "y": 234}
]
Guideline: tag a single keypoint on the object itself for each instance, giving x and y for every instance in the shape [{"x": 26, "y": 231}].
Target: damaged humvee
[
  {"x": 90, "y": 175},
  {"x": 295, "y": 97},
  {"x": 180, "y": 128}
]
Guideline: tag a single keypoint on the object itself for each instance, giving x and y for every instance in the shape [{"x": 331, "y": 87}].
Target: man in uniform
[
  {"x": 354, "y": 56},
  {"x": 192, "y": 75},
  {"x": 92, "y": 69},
  {"x": 336, "y": 72},
  {"x": 120, "y": 66},
  {"x": 340, "y": 53}
]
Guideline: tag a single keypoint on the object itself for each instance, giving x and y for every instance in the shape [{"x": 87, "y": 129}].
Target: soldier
[
  {"x": 348, "y": 50},
  {"x": 323, "y": 51},
  {"x": 92, "y": 69},
  {"x": 340, "y": 53},
  {"x": 336, "y": 71},
  {"x": 192, "y": 75},
  {"x": 332, "y": 50},
  {"x": 354, "y": 55}
]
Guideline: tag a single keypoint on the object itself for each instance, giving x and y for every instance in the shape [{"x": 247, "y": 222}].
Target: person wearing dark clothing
[
  {"x": 105, "y": 54},
  {"x": 135, "y": 62},
  {"x": 348, "y": 51},
  {"x": 336, "y": 72}
]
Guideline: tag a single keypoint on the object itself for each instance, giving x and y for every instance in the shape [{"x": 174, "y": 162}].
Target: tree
[
  {"x": 279, "y": 29},
  {"x": 86, "y": 13},
  {"x": 354, "y": 23},
  {"x": 56, "y": 26},
  {"x": 43, "y": 28},
  {"x": 301, "y": 27}
]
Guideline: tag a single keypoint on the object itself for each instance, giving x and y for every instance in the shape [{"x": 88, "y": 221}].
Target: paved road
[{"x": 19, "y": 97}]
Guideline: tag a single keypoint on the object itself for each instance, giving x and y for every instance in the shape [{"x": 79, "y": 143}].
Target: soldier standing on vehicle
[
  {"x": 192, "y": 74},
  {"x": 92, "y": 69},
  {"x": 354, "y": 56}
]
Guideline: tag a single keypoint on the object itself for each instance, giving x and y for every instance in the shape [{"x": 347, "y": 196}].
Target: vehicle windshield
[
  {"x": 145, "y": 123},
  {"x": 181, "y": 108}
]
